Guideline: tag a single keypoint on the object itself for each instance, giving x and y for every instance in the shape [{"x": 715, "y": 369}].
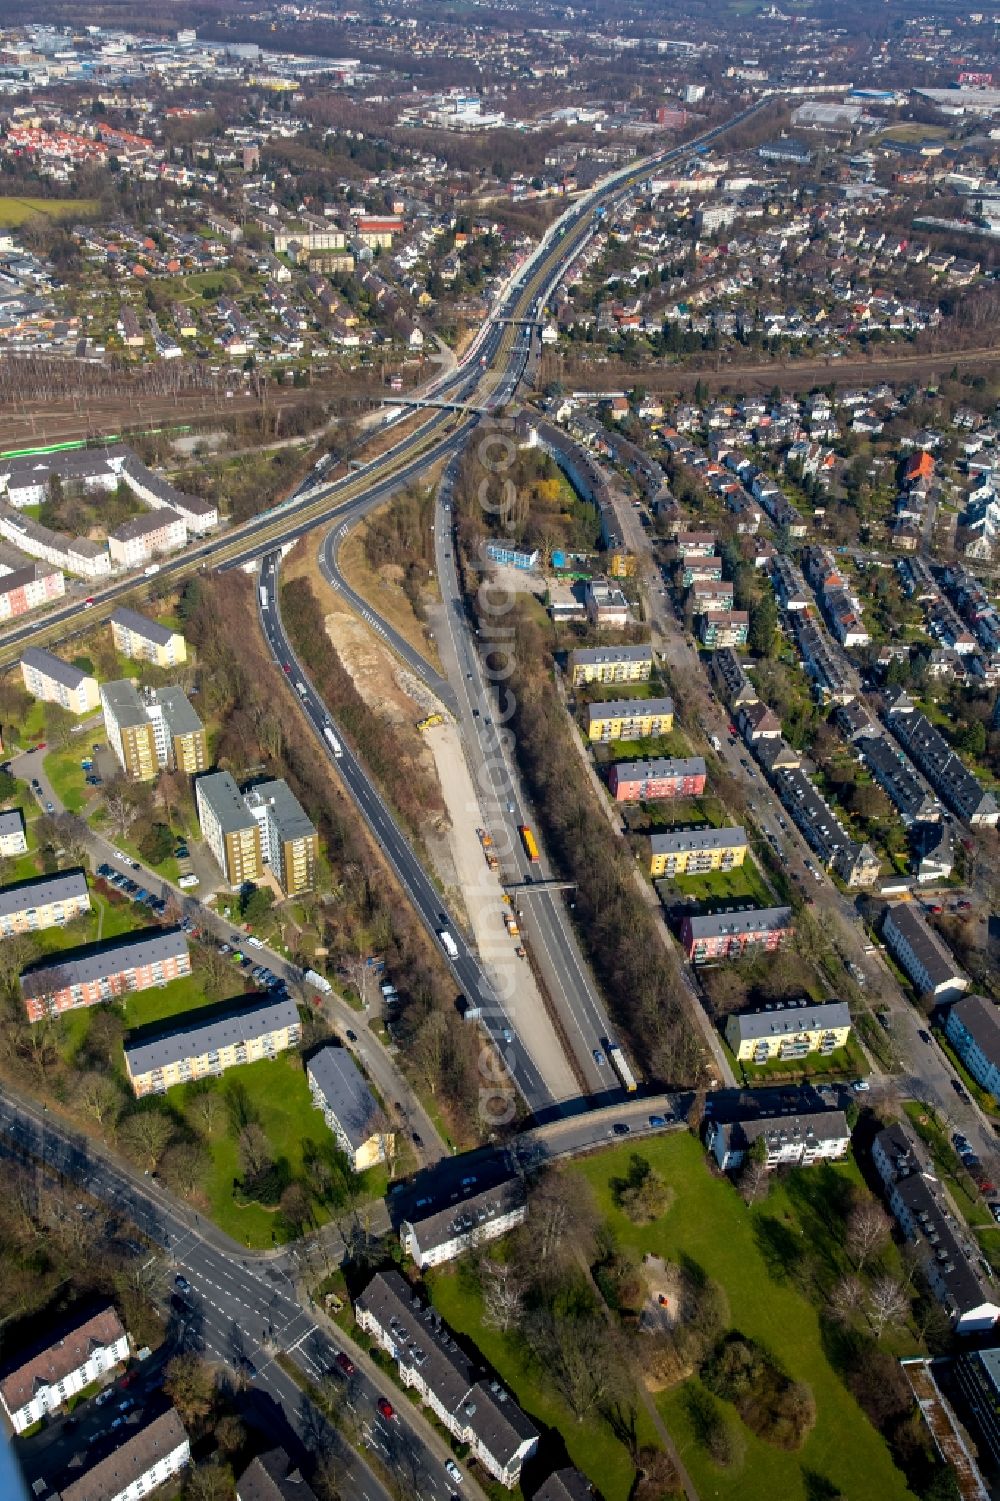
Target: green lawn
[
  {"x": 15, "y": 211},
  {"x": 743, "y": 882},
  {"x": 68, "y": 778},
  {"x": 649, "y": 748},
  {"x": 746, "y": 1251},
  {"x": 162, "y": 1002},
  {"x": 591, "y": 1446},
  {"x": 846, "y": 1062}
]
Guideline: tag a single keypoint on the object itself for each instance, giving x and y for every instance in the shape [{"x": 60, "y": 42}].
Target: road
[{"x": 239, "y": 1309}]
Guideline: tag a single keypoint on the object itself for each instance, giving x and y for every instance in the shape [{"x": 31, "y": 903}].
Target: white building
[
  {"x": 433, "y": 1231},
  {"x": 143, "y": 538},
  {"x": 54, "y": 681},
  {"x": 44, "y": 1381},
  {"x": 139, "y": 1464},
  {"x": 13, "y": 839}
]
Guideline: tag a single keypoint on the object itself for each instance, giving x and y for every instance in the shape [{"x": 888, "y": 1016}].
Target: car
[
  {"x": 453, "y": 1472},
  {"x": 964, "y": 906},
  {"x": 351, "y": 1036},
  {"x": 861, "y": 1086},
  {"x": 103, "y": 1397},
  {"x": 88, "y": 602},
  {"x": 959, "y": 1140},
  {"x": 141, "y": 894},
  {"x": 344, "y": 1363},
  {"x": 117, "y": 1422},
  {"x": 986, "y": 1185},
  {"x": 732, "y": 729},
  {"x": 620, "y": 1129},
  {"x": 599, "y": 1058},
  {"x": 657, "y": 1120},
  {"x": 286, "y": 667},
  {"x": 224, "y": 948},
  {"x": 385, "y": 1407},
  {"x": 104, "y": 870},
  {"x": 995, "y": 1211},
  {"x": 50, "y": 808},
  {"x": 126, "y": 1405},
  {"x": 959, "y": 1089},
  {"x": 182, "y": 1283},
  {"x": 416, "y": 1138},
  {"x": 744, "y": 762}
]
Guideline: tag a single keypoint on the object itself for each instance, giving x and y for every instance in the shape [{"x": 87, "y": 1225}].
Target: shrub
[{"x": 773, "y": 1406}]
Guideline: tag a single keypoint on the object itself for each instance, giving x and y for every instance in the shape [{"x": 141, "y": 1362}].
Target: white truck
[
  {"x": 300, "y": 688},
  {"x": 618, "y": 1062},
  {"x": 715, "y": 742},
  {"x": 333, "y": 742},
  {"x": 448, "y": 944}
]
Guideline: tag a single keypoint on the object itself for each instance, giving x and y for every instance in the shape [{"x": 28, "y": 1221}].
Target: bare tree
[
  {"x": 846, "y": 1297},
  {"x": 254, "y": 1149},
  {"x": 119, "y": 805},
  {"x": 885, "y": 1303},
  {"x": 148, "y": 1133},
  {"x": 503, "y": 1295},
  {"x": 868, "y": 1230},
  {"x": 755, "y": 1180},
  {"x": 100, "y": 1097}
]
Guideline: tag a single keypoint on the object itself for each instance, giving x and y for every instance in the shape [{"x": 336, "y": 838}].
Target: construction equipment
[
  {"x": 429, "y": 721},
  {"x": 510, "y": 922}
]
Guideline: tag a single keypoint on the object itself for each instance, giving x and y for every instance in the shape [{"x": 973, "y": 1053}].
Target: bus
[{"x": 528, "y": 840}]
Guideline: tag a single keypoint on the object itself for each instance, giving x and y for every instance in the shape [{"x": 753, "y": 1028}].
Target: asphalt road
[{"x": 240, "y": 1310}]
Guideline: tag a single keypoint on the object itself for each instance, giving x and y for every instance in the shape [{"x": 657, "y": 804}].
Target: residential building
[
  {"x": 54, "y": 681},
  {"x": 727, "y": 935},
  {"x": 952, "y": 1263},
  {"x": 201, "y": 1044},
  {"x": 711, "y": 595},
  {"x": 178, "y": 733},
  {"x": 926, "y": 958},
  {"x": 474, "y": 1411},
  {"x": 75, "y": 554},
  {"x": 565, "y": 1485},
  {"x": 977, "y": 1375},
  {"x": 289, "y": 842},
  {"x": 647, "y": 781},
  {"x": 436, "y": 1227},
  {"x": 606, "y": 605},
  {"x": 856, "y": 864},
  {"x": 137, "y": 542},
  {"x": 630, "y": 718},
  {"x": 137, "y": 1466},
  {"x": 699, "y": 570},
  {"x": 690, "y": 852},
  {"x": 129, "y": 730},
  {"x": 695, "y": 544},
  {"x": 273, "y": 1477},
  {"x": 899, "y": 781},
  {"x": 757, "y": 722},
  {"x": 824, "y": 661},
  {"x": 973, "y": 1029},
  {"x": 45, "y": 902},
  {"x": 512, "y": 556},
  {"x": 610, "y": 664},
  {"x": 718, "y": 628},
  {"x": 947, "y": 774},
  {"x": 789, "y": 1140},
  {"x": 42, "y": 1381},
  {"x": 789, "y": 1030},
  {"x": 731, "y": 680},
  {"x": 103, "y": 971},
  {"x": 349, "y": 1108},
  {"x": 230, "y": 829},
  {"x": 13, "y": 837},
  {"x": 146, "y": 640},
  {"x": 24, "y": 589}
]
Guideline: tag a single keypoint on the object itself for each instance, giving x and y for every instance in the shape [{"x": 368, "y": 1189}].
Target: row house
[
  {"x": 855, "y": 864},
  {"x": 28, "y": 588},
  {"x": 947, "y": 774},
  {"x": 138, "y": 541},
  {"x": 103, "y": 971},
  {"x": 789, "y": 585},
  {"x": 824, "y": 661},
  {"x": 728, "y": 935},
  {"x": 897, "y": 778},
  {"x": 138, "y": 1465},
  {"x": 952, "y": 1264},
  {"x": 730, "y": 678},
  {"x": 475, "y": 1410},
  {"x": 649, "y": 781}
]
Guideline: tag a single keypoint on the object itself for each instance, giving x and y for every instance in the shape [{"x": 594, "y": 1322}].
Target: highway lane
[
  {"x": 234, "y": 1307},
  {"x": 472, "y": 980}
]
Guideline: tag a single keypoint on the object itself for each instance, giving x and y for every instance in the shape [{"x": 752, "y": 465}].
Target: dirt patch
[{"x": 661, "y": 1311}]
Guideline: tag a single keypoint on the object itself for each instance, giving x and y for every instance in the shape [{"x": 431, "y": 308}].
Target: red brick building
[{"x": 644, "y": 781}]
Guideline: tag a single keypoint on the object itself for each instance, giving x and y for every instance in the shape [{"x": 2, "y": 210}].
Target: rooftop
[
  {"x": 100, "y": 960},
  {"x": 208, "y": 1030},
  {"x": 140, "y": 625},
  {"x": 133, "y": 1458},
  {"x": 782, "y": 1020},
  {"x": 57, "y": 1357},
  {"x": 345, "y": 1093},
  {"x": 63, "y": 886},
  {"x": 691, "y": 841},
  {"x": 289, "y": 817},
  {"x": 222, "y": 795},
  {"x": 53, "y": 667}
]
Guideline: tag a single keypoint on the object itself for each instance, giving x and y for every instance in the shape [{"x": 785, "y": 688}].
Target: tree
[
  {"x": 8, "y": 785},
  {"x": 189, "y": 1384},
  {"x": 210, "y": 1482},
  {"x": 155, "y": 843},
  {"x": 885, "y": 1303},
  {"x": 148, "y": 1133},
  {"x": 254, "y": 1150},
  {"x": 846, "y": 1297},
  {"x": 230, "y": 1434},
  {"x": 256, "y": 903},
  {"x": 101, "y": 1097},
  {"x": 503, "y": 1295},
  {"x": 59, "y": 725},
  {"x": 867, "y": 1231},
  {"x": 763, "y": 625},
  {"x": 120, "y": 807},
  {"x": 755, "y": 1180},
  {"x": 295, "y": 1208}
]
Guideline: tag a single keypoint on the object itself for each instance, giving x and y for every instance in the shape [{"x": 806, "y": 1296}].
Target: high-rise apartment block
[
  {"x": 289, "y": 840},
  {"x": 154, "y": 729},
  {"x": 231, "y": 831}
]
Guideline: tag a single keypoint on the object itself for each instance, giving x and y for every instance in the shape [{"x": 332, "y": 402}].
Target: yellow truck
[{"x": 429, "y": 721}]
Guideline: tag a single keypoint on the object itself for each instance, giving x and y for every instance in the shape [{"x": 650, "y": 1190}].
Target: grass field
[
  {"x": 68, "y": 778},
  {"x": 845, "y": 1062},
  {"x": 15, "y": 211},
  {"x": 754, "y": 1254},
  {"x": 743, "y": 882}
]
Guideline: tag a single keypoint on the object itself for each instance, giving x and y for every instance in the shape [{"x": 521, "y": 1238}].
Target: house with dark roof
[
  {"x": 137, "y": 1466},
  {"x": 926, "y": 958},
  {"x": 273, "y": 1477},
  {"x": 726, "y": 935},
  {"x": 565, "y": 1485},
  {"x": 789, "y": 1140},
  {"x": 475, "y": 1409},
  {"x": 43, "y": 1380}
]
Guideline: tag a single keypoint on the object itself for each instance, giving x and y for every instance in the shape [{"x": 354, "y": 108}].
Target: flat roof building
[
  {"x": 230, "y": 829},
  {"x": 349, "y": 1108},
  {"x": 129, "y": 731},
  {"x": 289, "y": 841}
]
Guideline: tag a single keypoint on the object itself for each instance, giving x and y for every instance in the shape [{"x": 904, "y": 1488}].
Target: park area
[
  {"x": 17, "y": 211},
  {"x": 767, "y": 1266}
]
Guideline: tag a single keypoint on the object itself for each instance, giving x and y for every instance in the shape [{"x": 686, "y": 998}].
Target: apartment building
[
  {"x": 230, "y": 830},
  {"x": 856, "y": 864},
  {"x": 695, "y": 544},
  {"x": 54, "y": 681},
  {"x": 289, "y": 841},
  {"x": 789, "y": 1140},
  {"x": 204, "y": 1043},
  {"x": 46, "y": 1378},
  {"x": 103, "y": 971},
  {"x": 606, "y": 605},
  {"x": 648, "y": 781},
  {"x": 178, "y": 733},
  {"x": 610, "y": 664},
  {"x": 435, "y": 1227},
  {"x": 928, "y": 961},
  {"x": 137, "y": 1466},
  {"x": 24, "y": 589},
  {"x": 699, "y": 570},
  {"x": 273, "y": 1477},
  {"x": 630, "y": 718},
  {"x": 13, "y": 836},
  {"x": 788, "y": 1030},
  {"x": 429, "y": 1361},
  {"x": 693, "y": 852},
  {"x": 76, "y": 554},
  {"x": 977, "y": 1375},
  {"x": 199, "y": 516},
  {"x": 129, "y": 731},
  {"x": 898, "y": 780},
  {"x": 139, "y": 541},
  {"x": 147, "y": 640},
  {"x": 973, "y": 1029},
  {"x": 718, "y": 628},
  {"x": 45, "y": 902},
  {"x": 567, "y": 1484},
  {"x": 711, "y": 594},
  {"x": 728, "y": 674},
  {"x": 950, "y": 1260},
  {"x": 349, "y": 1108},
  {"x": 727, "y": 935}
]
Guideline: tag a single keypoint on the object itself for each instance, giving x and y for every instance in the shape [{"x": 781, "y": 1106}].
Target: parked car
[
  {"x": 453, "y": 1472},
  {"x": 621, "y": 1129}
]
